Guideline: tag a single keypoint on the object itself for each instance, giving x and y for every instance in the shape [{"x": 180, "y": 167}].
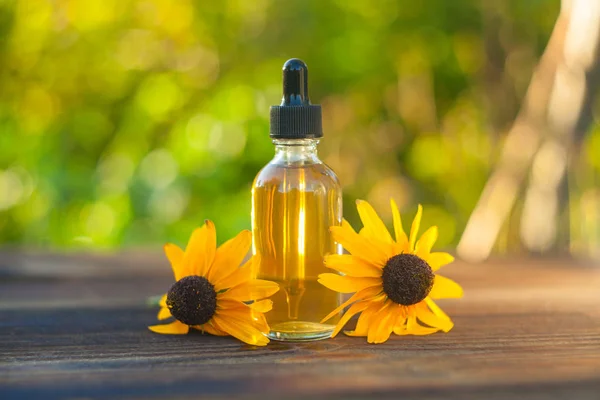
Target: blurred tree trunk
[{"x": 555, "y": 114}]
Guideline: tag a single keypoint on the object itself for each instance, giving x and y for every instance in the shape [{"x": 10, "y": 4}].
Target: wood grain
[{"x": 525, "y": 330}]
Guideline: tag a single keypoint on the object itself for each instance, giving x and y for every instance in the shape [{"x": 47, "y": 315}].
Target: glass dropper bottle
[{"x": 295, "y": 199}]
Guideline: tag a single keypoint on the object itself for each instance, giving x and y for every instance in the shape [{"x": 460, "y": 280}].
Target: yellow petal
[
  {"x": 200, "y": 251},
  {"x": 262, "y": 306},
  {"x": 362, "y": 326},
  {"x": 445, "y": 288},
  {"x": 387, "y": 249},
  {"x": 164, "y": 313},
  {"x": 347, "y": 284},
  {"x": 436, "y": 310},
  {"x": 352, "y": 311},
  {"x": 245, "y": 314},
  {"x": 373, "y": 225},
  {"x": 402, "y": 319},
  {"x": 386, "y": 326},
  {"x": 382, "y": 324},
  {"x": 401, "y": 238},
  {"x": 413, "y": 328},
  {"x": 174, "y": 328},
  {"x": 352, "y": 266},
  {"x": 230, "y": 303},
  {"x": 175, "y": 256},
  {"x": 359, "y": 246},
  {"x": 364, "y": 294},
  {"x": 208, "y": 328},
  {"x": 233, "y": 308},
  {"x": 253, "y": 290},
  {"x": 241, "y": 330},
  {"x": 194, "y": 250},
  {"x": 230, "y": 255},
  {"x": 425, "y": 315},
  {"x": 426, "y": 242},
  {"x": 163, "y": 301},
  {"x": 414, "y": 229},
  {"x": 437, "y": 260},
  {"x": 238, "y": 276},
  {"x": 400, "y": 325}
]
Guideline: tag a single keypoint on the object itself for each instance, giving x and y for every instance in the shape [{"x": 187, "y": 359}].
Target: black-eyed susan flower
[
  {"x": 394, "y": 281},
  {"x": 212, "y": 292}
]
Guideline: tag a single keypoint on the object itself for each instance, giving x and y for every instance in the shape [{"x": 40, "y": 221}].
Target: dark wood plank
[{"x": 525, "y": 330}]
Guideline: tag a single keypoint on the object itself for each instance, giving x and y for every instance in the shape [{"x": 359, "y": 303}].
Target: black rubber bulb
[
  {"x": 295, "y": 117},
  {"x": 295, "y": 83}
]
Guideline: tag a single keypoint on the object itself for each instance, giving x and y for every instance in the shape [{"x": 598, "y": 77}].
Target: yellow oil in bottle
[{"x": 295, "y": 199}]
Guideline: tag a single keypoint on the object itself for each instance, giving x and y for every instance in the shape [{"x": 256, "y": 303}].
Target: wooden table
[{"x": 74, "y": 326}]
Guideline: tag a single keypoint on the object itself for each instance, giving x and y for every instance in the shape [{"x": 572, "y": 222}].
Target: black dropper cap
[{"x": 295, "y": 118}]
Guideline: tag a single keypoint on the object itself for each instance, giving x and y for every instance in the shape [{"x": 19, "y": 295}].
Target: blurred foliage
[{"x": 127, "y": 123}]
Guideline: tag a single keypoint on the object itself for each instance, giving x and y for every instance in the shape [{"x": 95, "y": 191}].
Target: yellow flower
[
  {"x": 394, "y": 280},
  {"x": 212, "y": 293}
]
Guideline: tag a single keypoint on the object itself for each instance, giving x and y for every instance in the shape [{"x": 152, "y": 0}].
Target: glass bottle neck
[{"x": 296, "y": 151}]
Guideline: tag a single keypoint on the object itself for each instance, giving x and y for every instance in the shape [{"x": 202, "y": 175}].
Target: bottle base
[{"x": 300, "y": 331}]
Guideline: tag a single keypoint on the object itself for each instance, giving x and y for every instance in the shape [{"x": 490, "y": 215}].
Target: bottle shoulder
[
  {"x": 330, "y": 173},
  {"x": 313, "y": 175}
]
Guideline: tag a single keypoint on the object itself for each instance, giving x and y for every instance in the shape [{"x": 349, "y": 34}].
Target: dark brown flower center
[
  {"x": 407, "y": 279},
  {"x": 192, "y": 300}
]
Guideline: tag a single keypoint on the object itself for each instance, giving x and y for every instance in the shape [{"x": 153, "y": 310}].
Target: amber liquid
[{"x": 293, "y": 207}]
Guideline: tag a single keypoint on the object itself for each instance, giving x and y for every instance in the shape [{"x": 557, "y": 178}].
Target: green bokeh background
[{"x": 126, "y": 123}]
